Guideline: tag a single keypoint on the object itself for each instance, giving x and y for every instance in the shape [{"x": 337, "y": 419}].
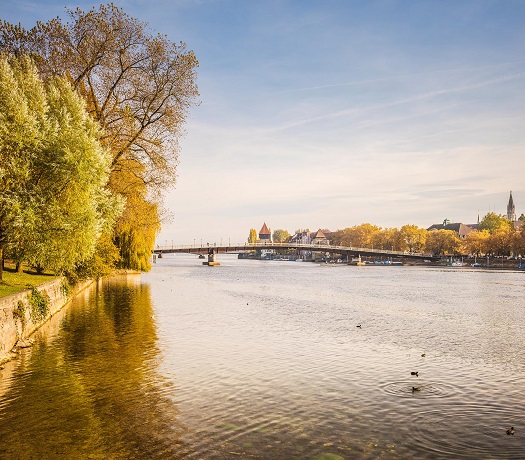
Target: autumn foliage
[{"x": 138, "y": 87}]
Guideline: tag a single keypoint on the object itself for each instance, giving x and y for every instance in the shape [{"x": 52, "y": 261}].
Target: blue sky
[{"x": 328, "y": 114}]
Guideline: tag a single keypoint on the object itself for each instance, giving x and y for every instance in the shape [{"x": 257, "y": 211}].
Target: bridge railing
[{"x": 299, "y": 246}]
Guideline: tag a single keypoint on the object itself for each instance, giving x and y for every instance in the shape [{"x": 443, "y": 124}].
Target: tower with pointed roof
[
  {"x": 265, "y": 234},
  {"x": 511, "y": 209}
]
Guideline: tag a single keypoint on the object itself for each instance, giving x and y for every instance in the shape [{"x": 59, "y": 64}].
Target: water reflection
[
  {"x": 264, "y": 360},
  {"x": 92, "y": 390}
]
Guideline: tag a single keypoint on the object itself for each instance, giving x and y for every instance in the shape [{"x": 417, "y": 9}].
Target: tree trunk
[
  {"x": 1, "y": 261},
  {"x": 19, "y": 267}
]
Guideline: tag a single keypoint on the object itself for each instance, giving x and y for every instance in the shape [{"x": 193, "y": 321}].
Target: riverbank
[
  {"x": 22, "y": 313},
  {"x": 14, "y": 281}
]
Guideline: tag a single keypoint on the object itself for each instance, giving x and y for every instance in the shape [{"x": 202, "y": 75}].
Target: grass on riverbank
[{"x": 13, "y": 282}]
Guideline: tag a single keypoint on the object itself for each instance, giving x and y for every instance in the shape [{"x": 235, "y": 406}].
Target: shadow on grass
[{"x": 13, "y": 281}]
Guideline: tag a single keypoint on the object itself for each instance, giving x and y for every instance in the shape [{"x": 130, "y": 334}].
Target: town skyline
[
  {"x": 335, "y": 114},
  {"x": 445, "y": 221},
  {"x": 293, "y": 230}
]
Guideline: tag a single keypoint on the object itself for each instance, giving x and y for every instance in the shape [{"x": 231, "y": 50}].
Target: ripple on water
[
  {"x": 471, "y": 431},
  {"x": 423, "y": 390}
]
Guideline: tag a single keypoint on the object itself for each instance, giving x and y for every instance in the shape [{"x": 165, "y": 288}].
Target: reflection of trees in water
[{"x": 95, "y": 391}]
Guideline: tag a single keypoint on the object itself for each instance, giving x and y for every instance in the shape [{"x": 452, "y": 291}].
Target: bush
[
  {"x": 39, "y": 304},
  {"x": 19, "y": 313}
]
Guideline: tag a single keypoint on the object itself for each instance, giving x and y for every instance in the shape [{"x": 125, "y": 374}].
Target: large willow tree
[
  {"x": 53, "y": 171},
  {"x": 138, "y": 85}
]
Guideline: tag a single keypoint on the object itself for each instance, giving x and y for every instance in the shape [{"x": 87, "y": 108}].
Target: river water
[{"x": 264, "y": 360}]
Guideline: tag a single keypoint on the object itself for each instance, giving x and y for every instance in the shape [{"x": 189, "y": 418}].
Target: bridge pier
[{"x": 211, "y": 259}]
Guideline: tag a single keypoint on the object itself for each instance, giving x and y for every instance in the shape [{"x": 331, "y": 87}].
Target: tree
[
  {"x": 442, "y": 242},
  {"x": 518, "y": 242},
  {"x": 362, "y": 235},
  {"x": 493, "y": 222},
  {"x": 281, "y": 236},
  {"x": 390, "y": 239},
  {"x": 252, "y": 237},
  {"x": 138, "y": 227},
  {"x": 413, "y": 237},
  {"x": 74, "y": 176},
  {"x": 500, "y": 241},
  {"x": 22, "y": 114},
  {"x": 139, "y": 87},
  {"x": 476, "y": 243},
  {"x": 54, "y": 201}
]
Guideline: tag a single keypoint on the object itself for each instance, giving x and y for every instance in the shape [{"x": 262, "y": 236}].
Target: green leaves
[
  {"x": 53, "y": 171},
  {"x": 137, "y": 85},
  {"x": 493, "y": 223}
]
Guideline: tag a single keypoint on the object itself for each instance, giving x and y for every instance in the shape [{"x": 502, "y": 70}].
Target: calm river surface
[{"x": 263, "y": 360}]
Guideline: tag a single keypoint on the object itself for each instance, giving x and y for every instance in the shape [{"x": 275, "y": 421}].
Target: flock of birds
[{"x": 510, "y": 431}]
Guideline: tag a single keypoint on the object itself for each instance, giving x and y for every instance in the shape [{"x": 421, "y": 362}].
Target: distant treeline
[{"x": 496, "y": 236}]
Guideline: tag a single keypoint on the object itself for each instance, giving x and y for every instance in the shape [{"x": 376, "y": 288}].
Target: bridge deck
[{"x": 342, "y": 250}]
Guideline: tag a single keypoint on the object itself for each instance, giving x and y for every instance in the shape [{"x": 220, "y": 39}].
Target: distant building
[
  {"x": 265, "y": 236},
  {"x": 307, "y": 237},
  {"x": 461, "y": 230},
  {"x": 511, "y": 214},
  {"x": 511, "y": 209},
  {"x": 301, "y": 237},
  {"x": 319, "y": 238}
]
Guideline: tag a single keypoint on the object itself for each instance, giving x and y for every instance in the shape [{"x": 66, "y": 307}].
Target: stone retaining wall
[{"x": 17, "y": 324}]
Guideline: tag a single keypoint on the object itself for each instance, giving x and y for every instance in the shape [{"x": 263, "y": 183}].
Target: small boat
[{"x": 456, "y": 263}]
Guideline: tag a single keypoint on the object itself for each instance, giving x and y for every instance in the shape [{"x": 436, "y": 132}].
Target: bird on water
[
  {"x": 359, "y": 326},
  {"x": 510, "y": 430},
  {"x": 414, "y": 373}
]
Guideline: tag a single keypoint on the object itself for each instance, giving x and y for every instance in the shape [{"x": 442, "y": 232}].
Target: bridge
[{"x": 346, "y": 251}]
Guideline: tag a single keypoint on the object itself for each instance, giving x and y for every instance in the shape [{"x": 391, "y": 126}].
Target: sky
[{"x": 328, "y": 114}]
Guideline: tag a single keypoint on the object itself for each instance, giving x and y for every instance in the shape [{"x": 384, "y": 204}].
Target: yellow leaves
[
  {"x": 137, "y": 85},
  {"x": 442, "y": 242},
  {"x": 252, "y": 237},
  {"x": 476, "y": 242}
]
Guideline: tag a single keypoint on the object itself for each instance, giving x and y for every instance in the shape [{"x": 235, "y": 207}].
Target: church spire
[{"x": 511, "y": 209}]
